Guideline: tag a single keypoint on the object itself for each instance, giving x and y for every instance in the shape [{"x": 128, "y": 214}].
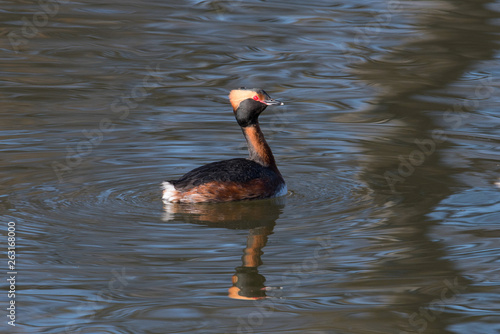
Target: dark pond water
[{"x": 389, "y": 142}]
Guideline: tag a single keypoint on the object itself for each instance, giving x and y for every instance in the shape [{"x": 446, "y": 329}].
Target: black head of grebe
[
  {"x": 235, "y": 179},
  {"x": 248, "y": 104}
]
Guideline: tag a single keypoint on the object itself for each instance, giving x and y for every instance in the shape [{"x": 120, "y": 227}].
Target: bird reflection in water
[{"x": 259, "y": 217}]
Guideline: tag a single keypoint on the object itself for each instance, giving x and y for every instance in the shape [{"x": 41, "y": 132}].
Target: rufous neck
[{"x": 258, "y": 148}]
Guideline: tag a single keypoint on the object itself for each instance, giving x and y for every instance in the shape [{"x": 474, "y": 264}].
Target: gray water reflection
[
  {"x": 416, "y": 172},
  {"x": 379, "y": 233}
]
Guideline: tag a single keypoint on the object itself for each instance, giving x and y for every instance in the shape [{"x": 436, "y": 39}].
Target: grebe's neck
[{"x": 257, "y": 146}]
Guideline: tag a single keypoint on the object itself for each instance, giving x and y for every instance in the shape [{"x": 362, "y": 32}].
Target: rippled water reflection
[{"x": 389, "y": 143}]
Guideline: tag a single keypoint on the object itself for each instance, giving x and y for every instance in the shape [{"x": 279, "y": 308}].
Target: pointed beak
[{"x": 272, "y": 102}]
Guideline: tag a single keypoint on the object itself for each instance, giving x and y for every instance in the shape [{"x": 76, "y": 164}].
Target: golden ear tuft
[{"x": 238, "y": 95}]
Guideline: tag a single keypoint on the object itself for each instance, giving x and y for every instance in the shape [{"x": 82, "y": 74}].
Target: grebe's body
[{"x": 235, "y": 179}]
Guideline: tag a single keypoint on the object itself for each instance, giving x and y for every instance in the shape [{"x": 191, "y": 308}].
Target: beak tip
[{"x": 273, "y": 103}]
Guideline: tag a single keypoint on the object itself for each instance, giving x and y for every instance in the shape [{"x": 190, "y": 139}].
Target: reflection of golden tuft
[
  {"x": 248, "y": 284},
  {"x": 234, "y": 293}
]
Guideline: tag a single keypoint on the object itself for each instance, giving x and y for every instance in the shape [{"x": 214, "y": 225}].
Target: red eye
[{"x": 256, "y": 98}]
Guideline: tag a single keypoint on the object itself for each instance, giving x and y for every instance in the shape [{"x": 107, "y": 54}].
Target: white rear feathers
[{"x": 169, "y": 192}]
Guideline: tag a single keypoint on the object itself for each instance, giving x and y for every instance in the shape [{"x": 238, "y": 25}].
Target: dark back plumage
[{"x": 237, "y": 170}]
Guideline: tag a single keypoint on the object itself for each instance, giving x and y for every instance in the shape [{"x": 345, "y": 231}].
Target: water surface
[{"x": 389, "y": 143}]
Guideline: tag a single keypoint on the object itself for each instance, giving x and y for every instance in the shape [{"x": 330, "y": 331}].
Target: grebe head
[{"x": 248, "y": 104}]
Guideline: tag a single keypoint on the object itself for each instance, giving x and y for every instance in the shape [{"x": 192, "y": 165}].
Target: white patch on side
[
  {"x": 169, "y": 192},
  {"x": 282, "y": 191}
]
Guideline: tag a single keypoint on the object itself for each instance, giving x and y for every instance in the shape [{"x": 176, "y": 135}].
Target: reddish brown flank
[{"x": 225, "y": 191}]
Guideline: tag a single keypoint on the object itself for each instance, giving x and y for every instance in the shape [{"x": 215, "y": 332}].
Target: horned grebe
[{"x": 235, "y": 179}]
